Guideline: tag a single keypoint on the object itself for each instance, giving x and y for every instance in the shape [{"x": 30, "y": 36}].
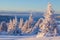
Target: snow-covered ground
[{"x": 28, "y": 38}]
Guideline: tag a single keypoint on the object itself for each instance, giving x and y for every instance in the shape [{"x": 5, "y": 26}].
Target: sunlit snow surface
[{"x": 28, "y": 38}]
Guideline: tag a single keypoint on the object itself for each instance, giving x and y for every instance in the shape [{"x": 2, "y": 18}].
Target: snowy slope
[{"x": 29, "y": 38}]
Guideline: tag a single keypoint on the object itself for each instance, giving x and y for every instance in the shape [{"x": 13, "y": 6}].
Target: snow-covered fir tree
[
  {"x": 48, "y": 25},
  {"x": 21, "y": 23},
  {"x": 27, "y": 25},
  {"x": 10, "y": 26}
]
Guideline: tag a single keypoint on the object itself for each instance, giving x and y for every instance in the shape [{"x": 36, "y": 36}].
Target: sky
[{"x": 28, "y": 5}]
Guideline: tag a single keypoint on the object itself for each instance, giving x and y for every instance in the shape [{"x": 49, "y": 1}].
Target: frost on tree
[
  {"x": 21, "y": 23},
  {"x": 35, "y": 29},
  {"x": 48, "y": 25},
  {"x": 12, "y": 26},
  {"x": 26, "y": 28}
]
